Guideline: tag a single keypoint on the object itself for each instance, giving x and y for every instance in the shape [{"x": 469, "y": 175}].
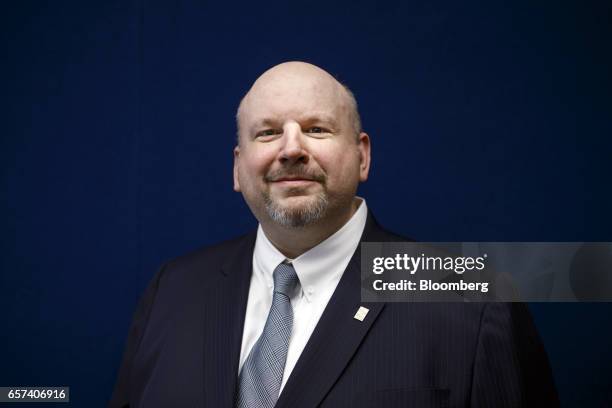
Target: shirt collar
[{"x": 321, "y": 266}]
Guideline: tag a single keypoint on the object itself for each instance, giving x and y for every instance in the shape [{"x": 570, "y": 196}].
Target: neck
[{"x": 293, "y": 242}]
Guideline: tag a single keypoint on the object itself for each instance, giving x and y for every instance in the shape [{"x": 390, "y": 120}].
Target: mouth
[
  {"x": 293, "y": 182},
  {"x": 298, "y": 180}
]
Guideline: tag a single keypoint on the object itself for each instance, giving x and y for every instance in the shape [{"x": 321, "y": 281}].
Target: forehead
[{"x": 292, "y": 97}]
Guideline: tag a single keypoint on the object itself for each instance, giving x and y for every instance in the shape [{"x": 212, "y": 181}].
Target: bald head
[{"x": 311, "y": 84}]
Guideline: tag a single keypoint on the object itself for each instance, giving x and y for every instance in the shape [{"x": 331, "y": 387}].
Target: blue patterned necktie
[{"x": 262, "y": 372}]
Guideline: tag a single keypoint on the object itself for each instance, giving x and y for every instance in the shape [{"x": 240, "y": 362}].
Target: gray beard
[{"x": 297, "y": 217}]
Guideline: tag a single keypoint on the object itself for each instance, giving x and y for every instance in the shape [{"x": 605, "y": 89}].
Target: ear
[
  {"x": 236, "y": 160},
  {"x": 364, "y": 153}
]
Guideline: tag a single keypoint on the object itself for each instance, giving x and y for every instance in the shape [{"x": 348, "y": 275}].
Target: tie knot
[{"x": 285, "y": 279}]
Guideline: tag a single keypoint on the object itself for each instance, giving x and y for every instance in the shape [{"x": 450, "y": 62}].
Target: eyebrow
[
  {"x": 310, "y": 119},
  {"x": 320, "y": 119},
  {"x": 266, "y": 122}
]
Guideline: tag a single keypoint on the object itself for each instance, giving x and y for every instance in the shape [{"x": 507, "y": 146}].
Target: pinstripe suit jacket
[{"x": 184, "y": 345}]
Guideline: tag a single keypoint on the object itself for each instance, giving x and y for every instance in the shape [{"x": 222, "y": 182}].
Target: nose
[{"x": 293, "y": 150}]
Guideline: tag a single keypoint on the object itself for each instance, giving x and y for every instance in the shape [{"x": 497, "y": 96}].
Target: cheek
[
  {"x": 342, "y": 163},
  {"x": 254, "y": 165}
]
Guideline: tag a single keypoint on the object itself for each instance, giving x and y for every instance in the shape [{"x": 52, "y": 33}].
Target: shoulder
[
  {"x": 374, "y": 232},
  {"x": 208, "y": 259}
]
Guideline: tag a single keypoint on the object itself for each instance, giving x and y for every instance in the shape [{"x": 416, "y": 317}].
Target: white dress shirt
[{"x": 319, "y": 271}]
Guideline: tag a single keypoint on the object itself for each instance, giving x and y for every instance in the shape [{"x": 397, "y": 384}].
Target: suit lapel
[
  {"x": 335, "y": 339},
  {"x": 225, "y": 323}
]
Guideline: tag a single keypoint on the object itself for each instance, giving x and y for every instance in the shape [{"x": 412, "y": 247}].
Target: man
[{"x": 269, "y": 319}]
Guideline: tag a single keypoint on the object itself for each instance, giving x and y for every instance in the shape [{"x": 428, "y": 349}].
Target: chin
[
  {"x": 300, "y": 200},
  {"x": 297, "y": 211}
]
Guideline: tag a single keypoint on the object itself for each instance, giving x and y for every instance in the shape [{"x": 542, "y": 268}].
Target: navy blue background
[{"x": 489, "y": 122}]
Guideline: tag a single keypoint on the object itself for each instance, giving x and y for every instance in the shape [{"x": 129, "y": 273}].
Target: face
[{"x": 299, "y": 160}]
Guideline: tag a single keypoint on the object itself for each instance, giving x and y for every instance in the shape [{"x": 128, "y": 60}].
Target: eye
[
  {"x": 315, "y": 129},
  {"x": 268, "y": 133}
]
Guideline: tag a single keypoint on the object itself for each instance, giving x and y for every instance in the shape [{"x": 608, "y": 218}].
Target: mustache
[{"x": 299, "y": 173}]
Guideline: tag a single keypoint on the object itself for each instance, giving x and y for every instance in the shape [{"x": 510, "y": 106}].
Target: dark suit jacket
[{"x": 184, "y": 344}]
